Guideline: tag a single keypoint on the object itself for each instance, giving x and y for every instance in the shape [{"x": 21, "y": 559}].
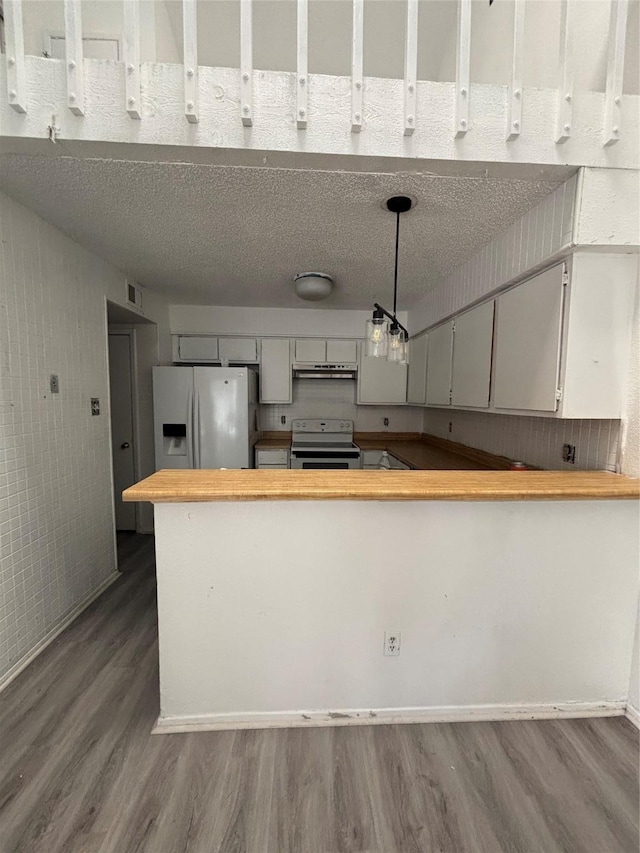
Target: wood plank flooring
[{"x": 80, "y": 773}]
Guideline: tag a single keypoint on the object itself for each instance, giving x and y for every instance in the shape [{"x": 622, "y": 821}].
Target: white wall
[
  {"x": 270, "y": 322},
  {"x": 496, "y": 606},
  {"x": 337, "y": 399},
  {"x": 56, "y": 510},
  {"x": 102, "y": 18}
]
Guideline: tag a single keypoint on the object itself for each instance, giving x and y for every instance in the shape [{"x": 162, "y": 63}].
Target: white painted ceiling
[{"x": 223, "y": 235}]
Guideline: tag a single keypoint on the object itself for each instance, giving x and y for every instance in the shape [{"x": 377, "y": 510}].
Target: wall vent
[{"x": 133, "y": 294}]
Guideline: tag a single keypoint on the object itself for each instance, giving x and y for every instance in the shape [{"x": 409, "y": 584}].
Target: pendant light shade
[
  {"x": 384, "y": 340},
  {"x": 377, "y": 338},
  {"x": 397, "y": 347}
]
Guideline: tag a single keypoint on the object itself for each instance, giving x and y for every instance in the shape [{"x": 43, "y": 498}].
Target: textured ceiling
[{"x": 223, "y": 235}]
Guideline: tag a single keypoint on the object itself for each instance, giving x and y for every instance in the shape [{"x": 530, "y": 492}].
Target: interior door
[{"x": 121, "y": 391}]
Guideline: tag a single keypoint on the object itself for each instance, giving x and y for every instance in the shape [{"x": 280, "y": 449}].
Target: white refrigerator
[{"x": 205, "y": 417}]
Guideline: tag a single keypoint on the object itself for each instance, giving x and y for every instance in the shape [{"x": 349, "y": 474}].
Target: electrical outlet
[
  {"x": 54, "y": 385},
  {"x": 386, "y": 422},
  {"x": 95, "y": 406},
  {"x": 569, "y": 453},
  {"x": 283, "y": 419},
  {"x": 450, "y": 426},
  {"x": 391, "y": 643}
]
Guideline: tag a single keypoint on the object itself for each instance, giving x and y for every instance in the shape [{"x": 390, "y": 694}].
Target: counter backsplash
[{"x": 336, "y": 398}]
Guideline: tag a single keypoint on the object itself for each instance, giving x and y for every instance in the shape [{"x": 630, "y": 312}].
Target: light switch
[
  {"x": 95, "y": 406},
  {"x": 54, "y": 385}
]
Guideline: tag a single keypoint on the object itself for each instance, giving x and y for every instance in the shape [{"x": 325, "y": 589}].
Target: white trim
[
  {"x": 14, "y": 56},
  {"x": 74, "y": 56},
  {"x": 302, "y": 64},
  {"x": 615, "y": 71},
  {"x": 633, "y": 714},
  {"x": 463, "y": 65},
  {"x": 190, "y": 53},
  {"x": 22, "y": 664},
  {"x": 386, "y": 716},
  {"x": 565, "y": 76},
  {"x": 357, "y": 59},
  {"x": 133, "y": 97},
  {"x": 246, "y": 62},
  {"x": 411, "y": 68}
]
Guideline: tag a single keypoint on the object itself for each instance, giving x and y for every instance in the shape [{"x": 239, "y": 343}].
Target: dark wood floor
[{"x": 80, "y": 773}]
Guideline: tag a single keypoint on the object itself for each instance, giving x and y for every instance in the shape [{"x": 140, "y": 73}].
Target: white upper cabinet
[
  {"x": 275, "y": 371},
  {"x": 381, "y": 381},
  {"x": 439, "y": 353},
  {"x": 528, "y": 338},
  {"x": 195, "y": 348},
  {"x": 244, "y": 350},
  {"x": 342, "y": 352},
  {"x": 417, "y": 381},
  {"x": 472, "y": 346},
  {"x": 311, "y": 350}
]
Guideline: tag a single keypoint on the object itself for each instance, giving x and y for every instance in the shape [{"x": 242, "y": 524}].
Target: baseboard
[
  {"x": 386, "y": 716},
  {"x": 632, "y": 713},
  {"x": 24, "y": 662}
]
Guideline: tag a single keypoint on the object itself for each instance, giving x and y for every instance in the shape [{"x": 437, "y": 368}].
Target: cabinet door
[
  {"x": 528, "y": 333},
  {"x": 342, "y": 352},
  {"x": 311, "y": 350},
  {"x": 238, "y": 349},
  {"x": 275, "y": 371},
  {"x": 194, "y": 348},
  {"x": 439, "y": 352},
  {"x": 472, "y": 343},
  {"x": 381, "y": 381},
  {"x": 417, "y": 382}
]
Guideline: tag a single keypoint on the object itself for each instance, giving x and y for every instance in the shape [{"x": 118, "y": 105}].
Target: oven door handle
[{"x": 324, "y": 454}]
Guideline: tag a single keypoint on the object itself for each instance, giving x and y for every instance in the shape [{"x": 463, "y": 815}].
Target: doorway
[{"x": 121, "y": 386}]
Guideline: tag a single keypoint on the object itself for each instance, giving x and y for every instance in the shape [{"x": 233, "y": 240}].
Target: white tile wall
[
  {"x": 536, "y": 441},
  {"x": 336, "y": 398},
  {"x": 537, "y": 235},
  {"x": 56, "y": 528}
]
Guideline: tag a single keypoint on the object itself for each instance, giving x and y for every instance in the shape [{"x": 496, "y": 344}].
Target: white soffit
[{"x": 226, "y": 235}]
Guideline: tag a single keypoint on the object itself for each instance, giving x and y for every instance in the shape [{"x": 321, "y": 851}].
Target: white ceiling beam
[
  {"x": 132, "y": 58},
  {"x": 410, "y": 67},
  {"x": 463, "y": 63},
  {"x": 302, "y": 83},
  {"x": 357, "y": 81},
  {"x": 246, "y": 62},
  {"x": 74, "y": 56},
  {"x": 190, "y": 59},
  {"x": 615, "y": 71},
  {"x": 514, "y": 112},
  {"x": 565, "y": 75},
  {"x": 14, "y": 55}
]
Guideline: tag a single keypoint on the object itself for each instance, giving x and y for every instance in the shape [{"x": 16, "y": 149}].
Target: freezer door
[
  {"x": 221, "y": 415},
  {"x": 173, "y": 417}
]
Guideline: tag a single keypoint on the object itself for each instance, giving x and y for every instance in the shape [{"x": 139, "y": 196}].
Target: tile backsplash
[
  {"x": 336, "y": 398},
  {"x": 536, "y": 441}
]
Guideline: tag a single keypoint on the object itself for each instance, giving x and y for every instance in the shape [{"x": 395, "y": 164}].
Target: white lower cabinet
[
  {"x": 381, "y": 381},
  {"x": 472, "y": 346},
  {"x": 275, "y": 371},
  {"x": 417, "y": 380},
  {"x": 272, "y": 458},
  {"x": 439, "y": 354}
]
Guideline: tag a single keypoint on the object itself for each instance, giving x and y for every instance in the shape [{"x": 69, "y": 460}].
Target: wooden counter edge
[{"x": 174, "y": 487}]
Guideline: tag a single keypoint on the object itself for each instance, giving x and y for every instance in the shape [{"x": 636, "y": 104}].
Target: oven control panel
[{"x": 317, "y": 425}]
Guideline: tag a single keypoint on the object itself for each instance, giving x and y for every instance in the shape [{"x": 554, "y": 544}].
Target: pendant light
[{"x": 386, "y": 339}]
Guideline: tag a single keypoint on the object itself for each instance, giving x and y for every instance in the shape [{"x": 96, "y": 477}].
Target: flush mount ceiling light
[
  {"x": 386, "y": 339},
  {"x": 313, "y": 286}
]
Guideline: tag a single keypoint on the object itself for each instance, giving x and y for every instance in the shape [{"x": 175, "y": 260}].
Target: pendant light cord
[{"x": 395, "y": 272}]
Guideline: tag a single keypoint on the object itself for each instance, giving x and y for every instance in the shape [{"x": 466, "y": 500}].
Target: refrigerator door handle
[
  {"x": 196, "y": 430},
  {"x": 190, "y": 429}
]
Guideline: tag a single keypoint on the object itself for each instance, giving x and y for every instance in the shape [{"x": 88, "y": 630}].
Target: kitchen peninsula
[{"x": 512, "y": 595}]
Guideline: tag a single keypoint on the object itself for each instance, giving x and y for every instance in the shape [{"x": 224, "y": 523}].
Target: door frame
[{"x": 130, "y": 332}]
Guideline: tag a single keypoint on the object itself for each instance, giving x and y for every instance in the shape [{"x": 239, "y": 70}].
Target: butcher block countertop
[{"x": 251, "y": 485}]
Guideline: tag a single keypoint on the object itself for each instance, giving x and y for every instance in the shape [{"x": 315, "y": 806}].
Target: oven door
[{"x": 325, "y": 459}]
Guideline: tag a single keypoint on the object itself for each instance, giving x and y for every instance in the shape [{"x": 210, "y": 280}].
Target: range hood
[{"x": 324, "y": 371}]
